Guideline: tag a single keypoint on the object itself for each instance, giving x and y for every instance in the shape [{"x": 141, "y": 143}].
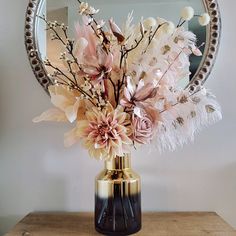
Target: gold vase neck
[{"x": 118, "y": 163}]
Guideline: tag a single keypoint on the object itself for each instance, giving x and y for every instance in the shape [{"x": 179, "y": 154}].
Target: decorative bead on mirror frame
[{"x": 211, "y": 48}]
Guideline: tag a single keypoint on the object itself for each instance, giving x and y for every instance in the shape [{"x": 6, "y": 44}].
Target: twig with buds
[{"x": 69, "y": 44}]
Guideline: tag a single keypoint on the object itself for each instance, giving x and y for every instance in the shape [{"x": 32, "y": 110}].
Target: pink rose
[{"x": 143, "y": 129}]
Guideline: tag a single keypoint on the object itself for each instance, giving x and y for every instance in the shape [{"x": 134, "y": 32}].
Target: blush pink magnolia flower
[
  {"x": 137, "y": 95},
  {"x": 104, "y": 133},
  {"x": 145, "y": 116},
  {"x": 85, "y": 32},
  {"x": 96, "y": 63},
  {"x": 97, "y": 68}
]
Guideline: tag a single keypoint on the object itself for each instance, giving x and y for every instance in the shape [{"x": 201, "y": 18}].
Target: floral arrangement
[{"x": 121, "y": 87}]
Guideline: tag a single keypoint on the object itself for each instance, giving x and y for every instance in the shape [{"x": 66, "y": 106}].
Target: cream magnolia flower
[
  {"x": 80, "y": 46},
  {"x": 187, "y": 13},
  {"x": 52, "y": 114},
  {"x": 204, "y": 19},
  {"x": 68, "y": 105},
  {"x": 104, "y": 133}
]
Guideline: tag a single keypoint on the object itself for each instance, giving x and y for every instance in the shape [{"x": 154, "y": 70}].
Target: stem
[
  {"x": 114, "y": 87},
  {"x": 105, "y": 39},
  {"x": 70, "y": 47},
  {"x": 73, "y": 85},
  {"x": 181, "y": 23},
  {"x": 177, "y": 103},
  {"x": 169, "y": 67},
  {"x": 72, "y": 73},
  {"x": 180, "y": 19},
  {"x": 70, "y": 50},
  {"x": 134, "y": 47},
  {"x": 61, "y": 72},
  {"x": 152, "y": 37},
  {"x": 125, "y": 52},
  {"x": 120, "y": 85}
]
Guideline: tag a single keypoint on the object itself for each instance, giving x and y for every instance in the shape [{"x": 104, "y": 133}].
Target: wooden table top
[{"x": 163, "y": 224}]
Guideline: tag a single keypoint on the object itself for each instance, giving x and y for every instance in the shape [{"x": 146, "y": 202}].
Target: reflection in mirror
[{"x": 67, "y": 12}]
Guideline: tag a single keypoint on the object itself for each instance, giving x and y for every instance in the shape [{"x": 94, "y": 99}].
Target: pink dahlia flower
[{"x": 104, "y": 133}]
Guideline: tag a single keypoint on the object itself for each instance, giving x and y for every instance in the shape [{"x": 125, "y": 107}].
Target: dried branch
[
  {"x": 105, "y": 41},
  {"x": 153, "y": 35},
  {"x": 72, "y": 84},
  {"x": 69, "y": 44},
  {"x": 114, "y": 88},
  {"x": 171, "y": 64}
]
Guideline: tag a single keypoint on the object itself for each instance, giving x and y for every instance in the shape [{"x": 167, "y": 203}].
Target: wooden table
[{"x": 163, "y": 224}]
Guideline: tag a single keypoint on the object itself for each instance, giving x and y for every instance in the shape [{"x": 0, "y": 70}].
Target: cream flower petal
[
  {"x": 109, "y": 62},
  {"x": 138, "y": 112},
  {"x": 69, "y": 95},
  {"x": 91, "y": 116},
  {"x": 102, "y": 55},
  {"x": 80, "y": 46},
  {"x": 121, "y": 117},
  {"x": 196, "y": 51},
  {"x": 71, "y": 137},
  {"x": 131, "y": 86},
  {"x": 72, "y": 111},
  {"x": 127, "y": 94},
  {"x": 82, "y": 128},
  {"x": 52, "y": 114},
  {"x": 60, "y": 101},
  {"x": 91, "y": 70}
]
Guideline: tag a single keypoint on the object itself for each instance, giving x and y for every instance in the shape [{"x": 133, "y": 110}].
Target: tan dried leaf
[
  {"x": 210, "y": 109},
  {"x": 183, "y": 99},
  {"x": 143, "y": 74},
  {"x": 196, "y": 100},
  {"x": 180, "y": 121},
  {"x": 166, "y": 49},
  {"x": 193, "y": 114}
]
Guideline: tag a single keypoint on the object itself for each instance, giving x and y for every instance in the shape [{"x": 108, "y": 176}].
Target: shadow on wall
[
  {"x": 209, "y": 188},
  {"x": 7, "y": 222},
  {"x": 49, "y": 197},
  {"x": 27, "y": 185},
  {"x": 225, "y": 197},
  {"x": 46, "y": 198}
]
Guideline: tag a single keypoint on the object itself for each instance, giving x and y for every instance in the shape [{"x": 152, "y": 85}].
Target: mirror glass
[{"x": 66, "y": 11}]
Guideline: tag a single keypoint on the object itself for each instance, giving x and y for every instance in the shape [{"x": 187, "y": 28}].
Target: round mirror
[{"x": 40, "y": 45}]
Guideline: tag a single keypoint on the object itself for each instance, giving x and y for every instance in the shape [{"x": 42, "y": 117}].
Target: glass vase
[{"x": 118, "y": 198}]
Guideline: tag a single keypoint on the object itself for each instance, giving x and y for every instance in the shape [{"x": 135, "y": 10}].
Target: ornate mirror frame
[{"x": 204, "y": 70}]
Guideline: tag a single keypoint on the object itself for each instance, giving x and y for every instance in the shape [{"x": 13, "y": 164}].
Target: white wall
[{"x": 37, "y": 173}]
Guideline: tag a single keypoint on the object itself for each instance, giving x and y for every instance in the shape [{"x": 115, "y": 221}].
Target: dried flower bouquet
[{"x": 121, "y": 87}]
